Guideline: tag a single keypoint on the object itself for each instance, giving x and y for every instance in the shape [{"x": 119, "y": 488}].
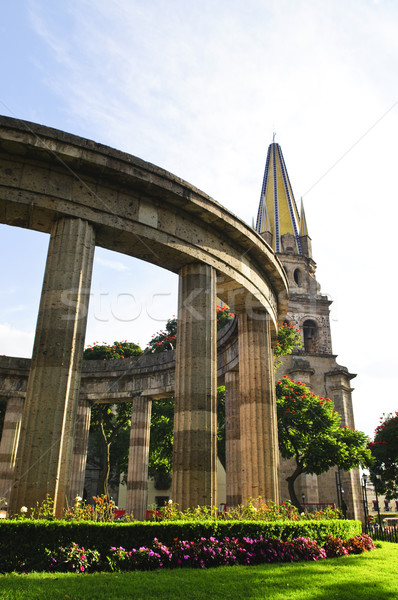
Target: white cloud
[
  {"x": 111, "y": 264},
  {"x": 15, "y": 342}
]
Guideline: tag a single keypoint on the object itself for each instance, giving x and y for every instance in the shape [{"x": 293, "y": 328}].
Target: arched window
[
  {"x": 298, "y": 277},
  {"x": 310, "y": 333}
]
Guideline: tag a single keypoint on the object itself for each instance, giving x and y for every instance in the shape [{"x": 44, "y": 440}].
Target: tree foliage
[
  {"x": 384, "y": 449},
  {"x": 161, "y": 442},
  {"x": 166, "y": 339},
  {"x": 163, "y": 340},
  {"x": 110, "y": 425},
  {"x": 309, "y": 431},
  {"x": 106, "y": 351},
  {"x": 288, "y": 338}
]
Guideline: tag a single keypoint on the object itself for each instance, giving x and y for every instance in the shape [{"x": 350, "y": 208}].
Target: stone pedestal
[
  {"x": 137, "y": 474},
  {"x": 232, "y": 438},
  {"x": 44, "y": 456},
  {"x": 80, "y": 447},
  {"x": 9, "y": 444},
  {"x": 195, "y": 417},
  {"x": 258, "y": 419}
]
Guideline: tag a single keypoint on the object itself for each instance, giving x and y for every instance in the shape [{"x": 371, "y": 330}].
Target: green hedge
[{"x": 23, "y": 543}]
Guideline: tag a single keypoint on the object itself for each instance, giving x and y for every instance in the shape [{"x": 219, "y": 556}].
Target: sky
[{"x": 198, "y": 88}]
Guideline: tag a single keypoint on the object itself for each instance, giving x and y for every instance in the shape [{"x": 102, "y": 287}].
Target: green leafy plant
[
  {"x": 309, "y": 431},
  {"x": 384, "y": 449},
  {"x": 74, "y": 559},
  {"x": 288, "y": 338}
]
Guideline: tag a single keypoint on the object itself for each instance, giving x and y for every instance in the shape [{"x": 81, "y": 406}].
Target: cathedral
[{"x": 284, "y": 228}]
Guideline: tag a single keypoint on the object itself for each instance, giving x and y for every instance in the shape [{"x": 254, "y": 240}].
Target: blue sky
[{"x": 198, "y": 88}]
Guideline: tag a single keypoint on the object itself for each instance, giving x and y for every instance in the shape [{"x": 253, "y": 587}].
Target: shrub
[
  {"x": 360, "y": 543},
  {"x": 355, "y": 545},
  {"x": 335, "y": 546},
  {"x": 74, "y": 559}
]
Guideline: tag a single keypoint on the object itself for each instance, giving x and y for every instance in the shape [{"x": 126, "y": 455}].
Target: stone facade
[{"x": 315, "y": 365}]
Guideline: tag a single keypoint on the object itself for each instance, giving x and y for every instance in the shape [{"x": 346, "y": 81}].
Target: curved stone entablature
[
  {"x": 121, "y": 380},
  {"x": 136, "y": 208}
]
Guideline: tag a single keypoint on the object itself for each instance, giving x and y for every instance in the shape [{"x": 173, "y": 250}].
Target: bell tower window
[
  {"x": 310, "y": 333},
  {"x": 298, "y": 277}
]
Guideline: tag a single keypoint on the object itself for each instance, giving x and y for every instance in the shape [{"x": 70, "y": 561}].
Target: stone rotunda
[{"x": 85, "y": 194}]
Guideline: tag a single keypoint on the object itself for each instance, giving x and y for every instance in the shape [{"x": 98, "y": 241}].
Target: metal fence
[{"x": 386, "y": 533}]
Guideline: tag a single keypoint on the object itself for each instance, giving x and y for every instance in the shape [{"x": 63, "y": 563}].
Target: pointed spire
[
  {"x": 277, "y": 212},
  {"x": 305, "y": 240},
  {"x": 303, "y": 221}
]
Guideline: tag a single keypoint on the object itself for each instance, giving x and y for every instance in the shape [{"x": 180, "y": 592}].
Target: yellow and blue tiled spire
[{"x": 277, "y": 212}]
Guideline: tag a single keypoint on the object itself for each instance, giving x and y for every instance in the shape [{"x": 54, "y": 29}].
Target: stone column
[
  {"x": 9, "y": 443},
  {"x": 80, "y": 447},
  {"x": 258, "y": 419},
  {"x": 232, "y": 438},
  {"x": 195, "y": 416},
  {"x": 137, "y": 474},
  {"x": 44, "y": 456}
]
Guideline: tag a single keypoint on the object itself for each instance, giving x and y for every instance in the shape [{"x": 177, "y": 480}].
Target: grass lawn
[{"x": 368, "y": 576}]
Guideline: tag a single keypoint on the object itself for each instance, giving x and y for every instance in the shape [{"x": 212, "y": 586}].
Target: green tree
[
  {"x": 309, "y": 431},
  {"x": 166, "y": 339},
  {"x": 161, "y": 442},
  {"x": 163, "y": 340},
  {"x": 384, "y": 449},
  {"x": 110, "y": 424}
]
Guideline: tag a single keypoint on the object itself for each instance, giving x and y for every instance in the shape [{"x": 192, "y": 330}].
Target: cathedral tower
[{"x": 285, "y": 229}]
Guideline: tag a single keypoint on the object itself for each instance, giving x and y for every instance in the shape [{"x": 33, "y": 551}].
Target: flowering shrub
[
  {"x": 102, "y": 510},
  {"x": 335, "y": 547},
  {"x": 223, "y": 315},
  {"x": 305, "y": 549},
  {"x": 255, "y": 510},
  {"x": 202, "y": 553},
  {"x": 360, "y": 543},
  {"x": 42, "y": 510},
  {"x": 211, "y": 552},
  {"x": 355, "y": 545},
  {"x": 106, "y": 351},
  {"x": 288, "y": 338},
  {"x": 74, "y": 559}
]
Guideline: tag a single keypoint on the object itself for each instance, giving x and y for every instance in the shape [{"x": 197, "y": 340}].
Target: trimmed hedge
[{"x": 23, "y": 543}]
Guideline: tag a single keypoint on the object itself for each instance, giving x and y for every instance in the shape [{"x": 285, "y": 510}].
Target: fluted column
[
  {"x": 9, "y": 444},
  {"x": 195, "y": 416},
  {"x": 137, "y": 474},
  {"x": 258, "y": 419},
  {"x": 232, "y": 438},
  {"x": 44, "y": 456},
  {"x": 80, "y": 447}
]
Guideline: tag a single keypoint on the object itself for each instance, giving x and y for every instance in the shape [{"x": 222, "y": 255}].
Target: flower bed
[{"x": 204, "y": 553}]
